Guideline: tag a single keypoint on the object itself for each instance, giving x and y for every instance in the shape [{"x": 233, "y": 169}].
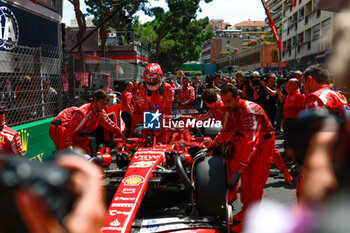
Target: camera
[
  {"x": 280, "y": 82},
  {"x": 49, "y": 182}
]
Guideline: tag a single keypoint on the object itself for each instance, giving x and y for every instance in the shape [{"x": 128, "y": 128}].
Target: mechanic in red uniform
[
  {"x": 127, "y": 108},
  {"x": 215, "y": 105},
  {"x": 319, "y": 94},
  {"x": 186, "y": 94},
  {"x": 293, "y": 105},
  {"x": 10, "y": 142},
  {"x": 76, "y": 124},
  {"x": 253, "y": 146}
]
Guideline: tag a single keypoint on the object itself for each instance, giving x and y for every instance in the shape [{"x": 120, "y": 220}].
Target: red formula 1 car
[{"x": 146, "y": 172}]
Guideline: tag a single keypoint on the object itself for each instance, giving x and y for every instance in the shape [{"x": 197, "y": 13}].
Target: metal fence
[
  {"x": 31, "y": 83},
  {"x": 82, "y": 79}
]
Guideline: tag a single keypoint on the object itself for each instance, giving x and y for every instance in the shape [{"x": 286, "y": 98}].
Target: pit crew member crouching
[{"x": 72, "y": 126}]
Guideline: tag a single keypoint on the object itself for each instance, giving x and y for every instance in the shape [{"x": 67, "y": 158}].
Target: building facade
[
  {"x": 214, "y": 48},
  {"x": 307, "y": 32},
  {"x": 262, "y": 58},
  {"x": 251, "y": 30},
  {"x": 218, "y": 24},
  {"x": 275, "y": 9}
]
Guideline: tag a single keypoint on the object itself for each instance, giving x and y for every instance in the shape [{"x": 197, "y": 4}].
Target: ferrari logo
[{"x": 1, "y": 139}]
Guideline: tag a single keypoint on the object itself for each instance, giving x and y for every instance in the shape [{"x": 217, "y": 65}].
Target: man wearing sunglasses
[
  {"x": 10, "y": 142},
  {"x": 72, "y": 126}
]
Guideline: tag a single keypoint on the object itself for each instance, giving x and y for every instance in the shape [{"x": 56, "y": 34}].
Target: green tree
[
  {"x": 180, "y": 13},
  {"x": 181, "y": 44}
]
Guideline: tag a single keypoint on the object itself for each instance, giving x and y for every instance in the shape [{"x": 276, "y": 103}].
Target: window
[
  {"x": 316, "y": 32},
  {"x": 300, "y": 2},
  {"x": 327, "y": 27},
  {"x": 301, "y": 14},
  {"x": 318, "y": 14},
  {"x": 285, "y": 25}
]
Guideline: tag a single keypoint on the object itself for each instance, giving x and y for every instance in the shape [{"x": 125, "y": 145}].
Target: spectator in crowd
[
  {"x": 265, "y": 96},
  {"x": 24, "y": 99},
  {"x": 72, "y": 126},
  {"x": 186, "y": 95},
  {"x": 209, "y": 80},
  {"x": 6, "y": 93},
  {"x": 279, "y": 106},
  {"x": 224, "y": 81},
  {"x": 10, "y": 142},
  {"x": 239, "y": 79},
  {"x": 319, "y": 94},
  {"x": 294, "y": 103},
  {"x": 233, "y": 82},
  {"x": 248, "y": 88},
  {"x": 179, "y": 74},
  {"x": 217, "y": 80},
  {"x": 50, "y": 99},
  {"x": 299, "y": 76},
  {"x": 252, "y": 156},
  {"x": 198, "y": 87},
  {"x": 127, "y": 108}
]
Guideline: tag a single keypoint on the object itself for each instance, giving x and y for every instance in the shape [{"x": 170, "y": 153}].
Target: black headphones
[{"x": 160, "y": 90}]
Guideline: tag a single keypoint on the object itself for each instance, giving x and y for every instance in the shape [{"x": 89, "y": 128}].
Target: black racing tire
[
  {"x": 211, "y": 132},
  {"x": 211, "y": 186},
  {"x": 137, "y": 130}
]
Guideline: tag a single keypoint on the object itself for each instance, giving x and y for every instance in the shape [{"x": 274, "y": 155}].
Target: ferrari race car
[{"x": 147, "y": 173}]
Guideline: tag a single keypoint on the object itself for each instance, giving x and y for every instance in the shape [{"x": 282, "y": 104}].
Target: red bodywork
[{"x": 127, "y": 199}]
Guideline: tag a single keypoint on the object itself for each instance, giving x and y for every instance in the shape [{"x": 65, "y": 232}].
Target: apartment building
[
  {"x": 251, "y": 30},
  {"x": 275, "y": 9},
  {"x": 223, "y": 41},
  {"x": 218, "y": 24},
  {"x": 306, "y": 35}
]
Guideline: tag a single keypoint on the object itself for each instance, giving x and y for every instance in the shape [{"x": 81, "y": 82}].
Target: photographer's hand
[{"x": 89, "y": 210}]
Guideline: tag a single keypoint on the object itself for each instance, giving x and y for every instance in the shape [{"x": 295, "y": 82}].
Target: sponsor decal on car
[
  {"x": 125, "y": 198},
  {"x": 146, "y": 157},
  {"x": 128, "y": 205},
  {"x": 128, "y": 190},
  {"x": 114, "y": 223},
  {"x": 142, "y": 164},
  {"x": 115, "y": 212},
  {"x": 133, "y": 180}
]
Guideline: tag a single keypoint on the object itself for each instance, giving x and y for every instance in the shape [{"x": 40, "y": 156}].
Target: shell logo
[{"x": 133, "y": 180}]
